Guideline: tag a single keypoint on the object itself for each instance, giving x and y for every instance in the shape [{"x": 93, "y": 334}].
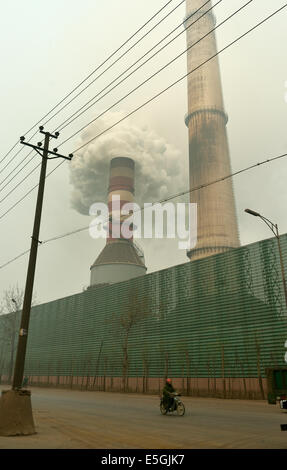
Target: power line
[
  {"x": 108, "y": 68},
  {"x": 88, "y": 76},
  {"x": 22, "y": 181},
  {"x": 68, "y": 121},
  {"x": 11, "y": 150},
  {"x": 29, "y": 192},
  {"x": 180, "y": 79},
  {"x": 157, "y": 72},
  {"x": 187, "y": 191},
  {"x": 10, "y": 161},
  {"x": 206, "y": 12},
  {"x": 117, "y": 60},
  {"x": 11, "y": 172},
  {"x": 156, "y": 96},
  {"x": 13, "y": 158},
  {"x": 174, "y": 196}
]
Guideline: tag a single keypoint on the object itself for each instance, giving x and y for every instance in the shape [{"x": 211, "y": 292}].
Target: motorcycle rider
[{"x": 167, "y": 394}]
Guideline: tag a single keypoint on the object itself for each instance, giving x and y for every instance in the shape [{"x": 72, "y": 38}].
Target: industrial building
[
  {"x": 206, "y": 120},
  {"x": 120, "y": 259}
]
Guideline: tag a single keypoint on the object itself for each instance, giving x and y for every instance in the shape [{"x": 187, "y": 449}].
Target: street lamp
[{"x": 275, "y": 231}]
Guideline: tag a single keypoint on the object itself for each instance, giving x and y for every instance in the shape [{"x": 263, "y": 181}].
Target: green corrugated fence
[{"x": 221, "y": 317}]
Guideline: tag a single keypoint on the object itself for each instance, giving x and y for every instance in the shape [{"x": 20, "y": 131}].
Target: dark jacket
[{"x": 168, "y": 389}]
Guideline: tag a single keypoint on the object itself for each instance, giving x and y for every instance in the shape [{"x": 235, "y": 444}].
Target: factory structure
[
  {"x": 209, "y": 160},
  {"x": 120, "y": 259},
  {"x": 206, "y": 120},
  {"x": 213, "y": 324}
]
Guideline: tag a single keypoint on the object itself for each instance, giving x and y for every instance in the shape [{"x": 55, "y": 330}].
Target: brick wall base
[{"x": 230, "y": 387}]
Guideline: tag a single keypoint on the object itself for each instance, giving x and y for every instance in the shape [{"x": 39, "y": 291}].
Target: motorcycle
[{"x": 176, "y": 406}]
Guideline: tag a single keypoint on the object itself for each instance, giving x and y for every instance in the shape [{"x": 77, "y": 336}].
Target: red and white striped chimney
[
  {"x": 120, "y": 259},
  {"x": 121, "y": 185}
]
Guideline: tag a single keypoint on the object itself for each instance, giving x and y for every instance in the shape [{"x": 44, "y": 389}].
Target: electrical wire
[
  {"x": 16, "y": 174},
  {"x": 77, "y": 113},
  {"x": 29, "y": 192},
  {"x": 88, "y": 76},
  {"x": 181, "y": 78},
  {"x": 157, "y": 72},
  {"x": 157, "y": 95},
  {"x": 20, "y": 182},
  {"x": 117, "y": 60},
  {"x": 16, "y": 154},
  {"x": 169, "y": 198},
  {"x": 206, "y": 12}
]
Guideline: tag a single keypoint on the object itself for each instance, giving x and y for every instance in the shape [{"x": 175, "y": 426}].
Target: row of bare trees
[
  {"x": 106, "y": 375},
  {"x": 224, "y": 377},
  {"x": 135, "y": 309}
]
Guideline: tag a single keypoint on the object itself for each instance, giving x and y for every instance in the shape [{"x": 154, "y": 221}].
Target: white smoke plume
[{"x": 158, "y": 165}]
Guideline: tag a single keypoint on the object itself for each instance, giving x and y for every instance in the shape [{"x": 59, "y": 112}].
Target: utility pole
[{"x": 16, "y": 401}]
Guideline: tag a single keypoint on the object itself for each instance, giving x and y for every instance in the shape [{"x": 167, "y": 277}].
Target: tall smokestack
[
  {"x": 209, "y": 159},
  {"x": 120, "y": 260},
  {"x": 122, "y": 176}
]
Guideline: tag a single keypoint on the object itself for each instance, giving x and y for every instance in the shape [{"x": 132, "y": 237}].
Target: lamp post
[{"x": 275, "y": 231}]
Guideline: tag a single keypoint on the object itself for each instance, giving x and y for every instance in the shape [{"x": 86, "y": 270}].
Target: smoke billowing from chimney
[{"x": 158, "y": 165}]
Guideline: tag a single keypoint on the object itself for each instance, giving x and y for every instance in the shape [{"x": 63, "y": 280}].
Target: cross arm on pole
[{"x": 40, "y": 151}]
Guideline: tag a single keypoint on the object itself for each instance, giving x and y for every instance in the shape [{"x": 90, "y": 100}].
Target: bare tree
[
  {"x": 10, "y": 307},
  {"x": 146, "y": 364},
  {"x": 258, "y": 354},
  {"x": 223, "y": 365},
  {"x": 188, "y": 369},
  {"x": 136, "y": 309}
]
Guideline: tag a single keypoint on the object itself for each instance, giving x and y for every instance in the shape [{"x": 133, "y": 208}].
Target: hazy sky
[{"x": 46, "y": 51}]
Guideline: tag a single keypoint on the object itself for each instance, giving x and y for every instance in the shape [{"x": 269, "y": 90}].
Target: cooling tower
[
  {"x": 120, "y": 260},
  {"x": 206, "y": 120}
]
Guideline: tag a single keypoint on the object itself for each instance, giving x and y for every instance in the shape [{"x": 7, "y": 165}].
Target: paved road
[{"x": 95, "y": 420}]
